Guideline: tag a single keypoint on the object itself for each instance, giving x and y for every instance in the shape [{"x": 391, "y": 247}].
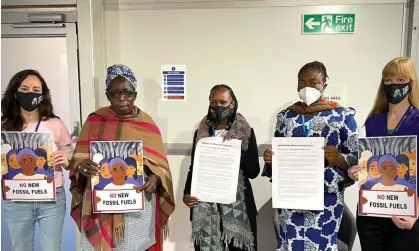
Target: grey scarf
[{"x": 209, "y": 218}]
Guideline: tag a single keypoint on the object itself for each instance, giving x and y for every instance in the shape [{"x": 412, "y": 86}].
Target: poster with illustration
[
  {"x": 117, "y": 188},
  {"x": 26, "y": 166},
  {"x": 388, "y": 176}
]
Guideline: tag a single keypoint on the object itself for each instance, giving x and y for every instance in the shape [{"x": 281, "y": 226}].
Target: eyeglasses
[{"x": 125, "y": 93}]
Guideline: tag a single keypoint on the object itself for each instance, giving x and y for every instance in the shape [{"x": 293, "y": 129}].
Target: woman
[
  {"x": 21, "y": 113},
  {"x": 395, "y": 113},
  {"x": 238, "y": 231},
  {"x": 315, "y": 117},
  {"x": 122, "y": 121}
]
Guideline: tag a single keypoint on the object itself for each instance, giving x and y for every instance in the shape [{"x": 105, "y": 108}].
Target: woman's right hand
[
  {"x": 267, "y": 156},
  {"x": 190, "y": 201},
  {"x": 353, "y": 172},
  {"x": 88, "y": 168}
]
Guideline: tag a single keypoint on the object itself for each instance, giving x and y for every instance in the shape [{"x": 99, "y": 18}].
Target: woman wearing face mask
[
  {"x": 26, "y": 106},
  {"x": 237, "y": 231},
  {"x": 121, "y": 121},
  {"x": 395, "y": 113},
  {"x": 315, "y": 117}
]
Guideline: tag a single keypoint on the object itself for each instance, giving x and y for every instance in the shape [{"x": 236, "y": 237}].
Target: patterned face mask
[
  {"x": 221, "y": 113},
  {"x": 29, "y": 101},
  {"x": 396, "y": 93}
]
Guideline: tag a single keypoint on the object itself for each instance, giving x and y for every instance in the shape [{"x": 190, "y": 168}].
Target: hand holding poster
[
  {"x": 27, "y": 171},
  {"x": 388, "y": 176},
  {"x": 121, "y": 176}
]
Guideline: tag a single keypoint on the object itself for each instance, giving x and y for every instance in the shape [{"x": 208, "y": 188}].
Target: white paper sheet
[
  {"x": 298, "y": 173},
  {"x": 216, "y": 170}
]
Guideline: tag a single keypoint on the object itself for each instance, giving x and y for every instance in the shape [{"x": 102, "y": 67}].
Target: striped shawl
[{"x": 105, "y": 231}]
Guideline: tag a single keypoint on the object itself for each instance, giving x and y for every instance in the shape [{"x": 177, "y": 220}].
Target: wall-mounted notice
[
  {"x": 388, "y": 176},
  {"x": 27, "y": 170},
  {"x": 328, "y": 23},
  {"x": 173, "y": 82},
  {"x": 336, "y": 93},
  {"x": 118, "y": 186}
]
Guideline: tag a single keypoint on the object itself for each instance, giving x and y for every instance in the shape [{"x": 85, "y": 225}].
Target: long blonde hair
[{"x": 397, "y": 67}]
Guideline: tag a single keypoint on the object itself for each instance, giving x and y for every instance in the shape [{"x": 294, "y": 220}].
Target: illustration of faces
[
  {"x": 373, "y": 170},
  {"x": 104, "y": 171},
  {"x": 49, "y": 154},
  {"x": 27, "y": 160},
  {"x": 3, "y": 160},
  {"x": 118, "y": 170},
  {"x": 13, "y": 159},
  {"x": 130, "y": 171},
  {"x": 41, "y": 158},
  {"x": 131, "y": 166},
  {"x": 401, "y": 170},
  {"x": 5, "y": 148},
  {"x": 412, "y": 167},
  {"x": 363, "y": 164},
  {"x": 388, "y": 169}
]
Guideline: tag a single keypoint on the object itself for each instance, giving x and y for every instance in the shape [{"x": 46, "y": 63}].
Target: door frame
[{"x": 47, "y": 30}]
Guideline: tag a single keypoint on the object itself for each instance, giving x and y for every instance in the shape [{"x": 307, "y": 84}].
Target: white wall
[{"x": 258, "y": 51}]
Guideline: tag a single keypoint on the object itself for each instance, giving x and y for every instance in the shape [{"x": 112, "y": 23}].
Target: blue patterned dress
[{"x": 301, "y": 230}]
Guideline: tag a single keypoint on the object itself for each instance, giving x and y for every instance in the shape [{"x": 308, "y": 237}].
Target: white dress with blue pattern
[{"x": 301, "y": 230}]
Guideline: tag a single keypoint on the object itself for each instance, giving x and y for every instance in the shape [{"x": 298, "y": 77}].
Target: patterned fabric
[
  {"x": 209, "y": 218},
  {"x": 317, "y": 230},
  {"x": 106, "y": 230},
  {"x": 312, "y": 110},
  {"x": 122, "y": 71},
  {"x": 134, "y": 240}
]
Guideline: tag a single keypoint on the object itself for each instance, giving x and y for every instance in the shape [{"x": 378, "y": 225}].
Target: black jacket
[{"x": 249, "y": 164}]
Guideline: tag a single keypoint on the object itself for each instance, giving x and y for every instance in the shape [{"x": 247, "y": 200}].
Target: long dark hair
[
  {"x": 11, "y": 119},
  {"x": 232, "y": 117}
]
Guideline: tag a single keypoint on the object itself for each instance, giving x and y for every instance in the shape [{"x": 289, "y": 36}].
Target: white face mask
[{"x": 309, "y": 95}]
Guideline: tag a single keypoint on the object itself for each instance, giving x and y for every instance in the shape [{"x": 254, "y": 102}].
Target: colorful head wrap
[{"x": 120, "y": 70}]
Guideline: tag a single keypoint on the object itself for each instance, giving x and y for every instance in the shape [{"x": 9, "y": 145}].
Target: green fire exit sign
[{"x": 328, "y": 23}]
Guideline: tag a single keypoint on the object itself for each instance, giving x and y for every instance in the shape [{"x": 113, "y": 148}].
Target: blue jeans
[{"x": 22, "y": 216}]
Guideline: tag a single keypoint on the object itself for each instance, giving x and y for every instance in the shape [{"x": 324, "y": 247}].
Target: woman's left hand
[
  {"x": 150, "y": 185},
  {"x": 403, "y": 222},
  {"x": 331, "y": 154},
  {"x": 229, "y": 136},
  {"x": 59, "y": 158}
]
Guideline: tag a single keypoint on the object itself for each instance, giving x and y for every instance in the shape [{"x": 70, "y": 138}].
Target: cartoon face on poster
[
  {"x": 26, "y": 166},
  {"x": 117, "y": 188},
  {"x": 388, "y": 176}
]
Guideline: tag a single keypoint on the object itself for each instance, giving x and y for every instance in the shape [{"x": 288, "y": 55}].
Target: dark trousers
[
  {"x": 253, "y": 228},
  {"x": 381, "y": 234}
]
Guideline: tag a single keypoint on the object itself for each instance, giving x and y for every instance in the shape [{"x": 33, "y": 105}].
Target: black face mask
[
  {"x": 29, "y": 101},
  {"x": 221, "y": 113},
  {"x": 396, "y": 93}
]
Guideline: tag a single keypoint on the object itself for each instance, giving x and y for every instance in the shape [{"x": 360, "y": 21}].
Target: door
[{"x": 50, "y": 49}]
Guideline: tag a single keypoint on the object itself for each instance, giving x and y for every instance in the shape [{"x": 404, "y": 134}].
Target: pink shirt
[{"x": 61, "y": 138}]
